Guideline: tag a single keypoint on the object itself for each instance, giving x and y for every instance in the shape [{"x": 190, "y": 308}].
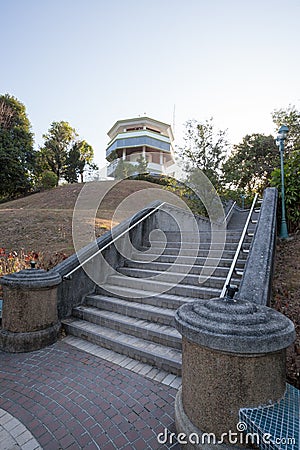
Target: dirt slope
[
  {"x": 42, "y": 222},
  {"x": 286, "y": 297}
]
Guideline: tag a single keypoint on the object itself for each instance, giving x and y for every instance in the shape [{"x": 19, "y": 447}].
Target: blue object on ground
[{"x": 280, "y": 421}]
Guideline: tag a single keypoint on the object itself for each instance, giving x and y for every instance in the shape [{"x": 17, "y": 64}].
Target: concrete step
[
  {"x": 146, "y": 286},
  {"x": 202, "y": 252},
  {"x": 198, "y": 245},
  {"x": 145, "y": 311},
  {"x": 176, "y": 277},
  {"x": 203, "y": 235},
  {"x": 183, "y": 260},
  {"x": 165, "y": 300},
  {"x": 233, "y": 237},
  {"x": 183, "y": 268},
  {"x": 132, "y": 314},
  {"x": 165, "y": 358},
  {"x": 151, "y": 329}
]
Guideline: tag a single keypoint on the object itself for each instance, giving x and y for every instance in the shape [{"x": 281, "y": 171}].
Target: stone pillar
[
  {"x": 124, "y": 154},
  {"x": 233, "y": 357},
  {"x": 29, "y": 318}
]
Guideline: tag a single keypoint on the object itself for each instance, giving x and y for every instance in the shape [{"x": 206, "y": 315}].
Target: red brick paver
[{"x": 71, "y": 400}]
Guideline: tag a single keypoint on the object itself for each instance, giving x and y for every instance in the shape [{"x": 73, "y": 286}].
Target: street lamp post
[
  {"x": 282, "y": 133},
  {"x": 243, "y": 196}
]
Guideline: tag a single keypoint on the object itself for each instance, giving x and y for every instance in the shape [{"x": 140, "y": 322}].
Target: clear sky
[{"x": 92, "y": 62}]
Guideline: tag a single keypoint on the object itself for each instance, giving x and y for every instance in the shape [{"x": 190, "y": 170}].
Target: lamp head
[{"x": 282, "y": 132}]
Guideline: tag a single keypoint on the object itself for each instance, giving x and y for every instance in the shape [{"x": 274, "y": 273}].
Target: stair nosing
[
  {"x": 167, "y": 286},
  {"x": 131, "y": 305},
  {"x": 114, "y": 336},
  {"x": 163, "y": 329}
]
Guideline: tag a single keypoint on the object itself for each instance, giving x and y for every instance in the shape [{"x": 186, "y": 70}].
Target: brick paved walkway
[{"x": 68, "y": 399}]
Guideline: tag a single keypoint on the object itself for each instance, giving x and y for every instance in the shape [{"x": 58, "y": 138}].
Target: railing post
[
  {"x": 29, "y": 319},
  {"x": 233, "y": 357}
]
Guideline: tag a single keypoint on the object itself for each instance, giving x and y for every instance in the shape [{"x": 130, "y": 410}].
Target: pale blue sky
[{"x": 92, "y": 62}]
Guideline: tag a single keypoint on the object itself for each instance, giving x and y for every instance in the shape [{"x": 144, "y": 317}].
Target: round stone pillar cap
[
  {"x": 234, "y": 326},
  {"x": 32, "y": 279}
]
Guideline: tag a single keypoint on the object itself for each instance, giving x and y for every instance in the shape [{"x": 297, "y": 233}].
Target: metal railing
[
  {"x": 239, "y": 248},
  {"x": 229, "y": 212},
  {"x": 69, "y": 274}
]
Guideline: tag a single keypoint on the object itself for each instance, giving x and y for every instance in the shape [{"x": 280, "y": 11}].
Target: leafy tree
[
  {"x": 124, "y": 169},
  {"x": 80, "y": 157},
  {"x": 292, "y": 188},
  {"x": 239, "y": 196},
  {"x": 70, "y": 171},
  {"x": 250, "y": 165},
  {"x": 58, "y": 142},
  {"x": 291, "y": 118},
  {"x": 85, "y": 155},
  {"x": 205, "y": 149},
  {"x": 142, "y": 166},
  {"x": 64, "y": 155},
  {"x": 17, "y": 155}
]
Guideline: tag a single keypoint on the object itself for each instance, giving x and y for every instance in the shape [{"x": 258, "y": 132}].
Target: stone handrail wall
[
  {"x": 243, "y": 340},
  {"x": 72, "y": 290},
  {"x": 188, "y": 219},
  {"x": 256, "y": 284}
]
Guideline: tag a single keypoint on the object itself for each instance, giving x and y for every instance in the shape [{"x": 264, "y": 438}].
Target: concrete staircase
[{"x": 133, "y": 312}]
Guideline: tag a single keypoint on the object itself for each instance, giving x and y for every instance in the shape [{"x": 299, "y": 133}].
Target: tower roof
[{"x": 162, "y": 127}]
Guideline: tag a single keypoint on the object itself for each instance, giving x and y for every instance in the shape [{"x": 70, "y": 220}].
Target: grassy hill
[{"x": 42, "y": 222}]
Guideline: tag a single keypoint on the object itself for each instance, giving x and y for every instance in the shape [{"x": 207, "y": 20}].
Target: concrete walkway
[
  {"x": 13, "y": 434},
  {"x": 61, "y": 398}
]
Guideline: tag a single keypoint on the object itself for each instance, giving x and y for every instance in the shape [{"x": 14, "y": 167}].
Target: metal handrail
[
  {"x": 233, "y": 264},
  {"x": 230, "y": 209},
  {"x": 67, "y": 276}
]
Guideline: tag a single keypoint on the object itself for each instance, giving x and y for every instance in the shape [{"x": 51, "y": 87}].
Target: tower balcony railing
[
  {"x": 139, "y": 138},
  {"x": 152, "y": 167}
]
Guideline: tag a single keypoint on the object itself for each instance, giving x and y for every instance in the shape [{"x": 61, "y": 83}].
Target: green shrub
[
  {"x": 48, "y": 180},
  {"x": 292, "y": 189}
]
